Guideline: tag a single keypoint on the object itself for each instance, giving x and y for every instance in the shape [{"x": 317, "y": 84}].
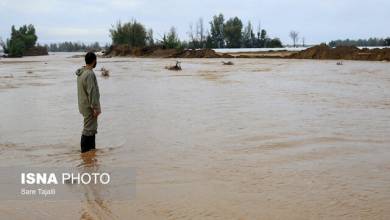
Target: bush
[
  {"x": 387, "y": 41},
  {"x": 131, "y": 33},
  {"x": 275, "y": 43},
  {"x": 171, "y": 40}
]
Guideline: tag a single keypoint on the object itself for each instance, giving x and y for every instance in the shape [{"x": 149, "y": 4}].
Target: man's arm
[{"x": 93, "y": 93}]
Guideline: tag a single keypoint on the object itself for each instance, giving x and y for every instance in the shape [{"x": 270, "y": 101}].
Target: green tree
[
  {"x": 263, "y": 38},
  {"x": 73, "y": 47},
  {"x": 21, "y": 40},
  {"x": 171, "y": 40},
  {"x": 15, "y": 48},
  {"x": 216, "y": 31},
  {"x": 387, "y": 41},
  {"x": 275, "y": 42},
  {"x": 248, "y": 37},
  {"x": 149, "y": 38},
  {"x": 373, "y": 42},
  {"x": 132, "y": 33},
  {"x": 233, "y": 32},
  {"x": 209, "y": 42},
  {"x": 28, "y": 35}
]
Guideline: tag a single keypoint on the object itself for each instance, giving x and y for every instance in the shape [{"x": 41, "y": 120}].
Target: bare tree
[
  {"x": 191, "y": 32},
  {"x": 149, "y": 37},
  {"x": 294, "y": 36},
  {"x": 2, "y": 44},
  {"x": 200, "y": 30},
  {"x": 258, "y": 30}
]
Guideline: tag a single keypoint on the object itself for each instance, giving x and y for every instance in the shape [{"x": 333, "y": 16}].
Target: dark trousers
[{"x": 87, "y": 143}]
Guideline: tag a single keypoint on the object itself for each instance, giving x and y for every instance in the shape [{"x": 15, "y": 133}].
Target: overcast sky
[{"x": 89, "y": 20}]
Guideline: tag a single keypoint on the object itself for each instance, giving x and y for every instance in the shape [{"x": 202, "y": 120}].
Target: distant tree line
[
  {"x": 371, "y": 42},
  {"x": 73, "y": 47},
  {"x": 229, "y": 34},
  {"x": 220, "y": 34}
]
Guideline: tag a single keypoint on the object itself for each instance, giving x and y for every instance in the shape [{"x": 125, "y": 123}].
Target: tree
[
  {"x": 387, "y": 41},
  {"x": 274, "y": 43},
  {"x": 263, "y": 38},
  {"x": 209, "y": 41},
  {"x": 216, "y": 29},
  {"x": 131, "y": 33},
  {"x": 248, "y": 37},
  {"x": 200, "y": 32},
  {"x": 2, "y": 44},
  {"x": 191, "y": 35},
  {"x": 197, "y": 36},
  {"x": 233, "y": 32},
  {"x": 149, "y": 37},
  {"x": 171, "y": 40},
  {"x": 294, "y": 36},
  {"x": 373, "y": 42},
  {"x": 73, "y": 47},
  {"x": 20, "y": 41}
]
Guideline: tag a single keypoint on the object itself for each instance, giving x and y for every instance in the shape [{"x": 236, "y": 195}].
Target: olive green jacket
[{"x": 87, "y": 91}]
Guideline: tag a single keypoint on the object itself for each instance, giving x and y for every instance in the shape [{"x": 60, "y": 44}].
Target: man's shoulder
[{"x": 89, "y": 73}]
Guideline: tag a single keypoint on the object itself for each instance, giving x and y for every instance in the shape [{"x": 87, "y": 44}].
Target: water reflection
[
  {"x": 89, "y": 159},
  {"x": 94, "y": 206}
]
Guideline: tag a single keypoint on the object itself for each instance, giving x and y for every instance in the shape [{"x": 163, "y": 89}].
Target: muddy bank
[
  {"x": 126, "y": 50},
  {"x": 202, "y": 53},
  {"x": 263, "y": 54},
  {"x": 161, "y": 52},
  {"x": 343, "y": 53},
  {"x": 34, "y": 51},
  {"x": 317, "y": 52}
]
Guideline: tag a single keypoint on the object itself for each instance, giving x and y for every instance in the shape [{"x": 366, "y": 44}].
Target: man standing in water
[{"x": 89, "y": 101}]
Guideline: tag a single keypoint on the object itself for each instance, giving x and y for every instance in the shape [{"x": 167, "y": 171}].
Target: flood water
[{"x": 262, "y": 139}]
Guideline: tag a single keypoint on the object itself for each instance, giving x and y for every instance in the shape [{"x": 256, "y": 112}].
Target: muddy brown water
[{"x": 262, "y": 139}]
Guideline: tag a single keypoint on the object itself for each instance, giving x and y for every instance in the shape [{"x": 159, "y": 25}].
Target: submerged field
[{"x": 262, "y": 139}]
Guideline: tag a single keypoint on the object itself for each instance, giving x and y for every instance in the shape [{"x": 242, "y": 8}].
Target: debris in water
[
  {"x": 105, "y": 72},
  {"x": 8, "y": 77},
  {"x": 30, "y": 71},
  {"x": 339, "y": 63},
  {"x": 227, "y": 63},
  {"x": 176, "y": 67}
]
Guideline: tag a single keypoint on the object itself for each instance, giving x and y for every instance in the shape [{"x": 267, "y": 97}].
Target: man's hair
[{"x": 90, "y": 57}]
